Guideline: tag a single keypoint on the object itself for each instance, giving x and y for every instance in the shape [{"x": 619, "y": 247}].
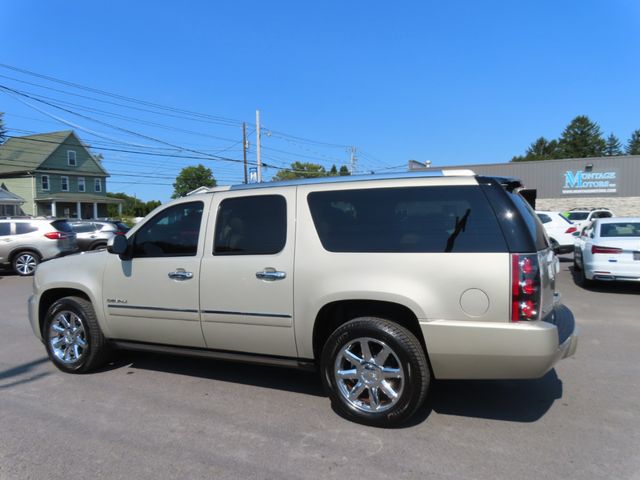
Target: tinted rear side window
[
  {"x": 5, "y": 229},
  {"x": 408, "y": 219},
  {"x": 531, "y": 220},
  {"x": 254, "y": 225}
]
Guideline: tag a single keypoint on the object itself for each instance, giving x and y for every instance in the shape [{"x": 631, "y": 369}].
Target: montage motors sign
[{"x": 582, "y": 182}]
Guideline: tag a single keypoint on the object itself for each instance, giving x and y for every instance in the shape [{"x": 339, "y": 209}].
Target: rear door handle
[
  {"x": 270, "y": 275},
  {"x": 180, "y": 275}
]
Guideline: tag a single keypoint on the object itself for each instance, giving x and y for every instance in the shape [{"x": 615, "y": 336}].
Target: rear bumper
[
  {"x": 613, "y": 271},
  {"x": 491, "y": 350}
]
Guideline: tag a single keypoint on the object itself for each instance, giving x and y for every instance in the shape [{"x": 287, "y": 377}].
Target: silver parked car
[
  {"x": 94, "y": 234},
  {"x": 25, "y": 242}
]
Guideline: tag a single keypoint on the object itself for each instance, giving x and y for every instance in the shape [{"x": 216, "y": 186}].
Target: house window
[
  {"x": 64, "y": 184},
  {"x": 71, "y": 158},
  {"x": 45, "y": 182},
  {"x": 81, "y": 186},
  {"x": 97, "y": 185}
]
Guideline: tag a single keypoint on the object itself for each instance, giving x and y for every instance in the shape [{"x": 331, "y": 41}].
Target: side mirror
[{"x": 118, "y": 245}]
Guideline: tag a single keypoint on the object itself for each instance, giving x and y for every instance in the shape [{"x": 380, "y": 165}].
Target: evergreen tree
[
  {"x": 612, "y": 147},
  {"x": 333, "y": 172},
  {"x": 581, "y": 138},
  {"x": 191, "y": 178},
  {"x": 633, "y": 145},
  {"x": 344, "y": 171},
  {"x": 542, "y": 149}
]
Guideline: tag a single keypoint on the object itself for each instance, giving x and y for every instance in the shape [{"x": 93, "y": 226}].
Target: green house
[{"x": 56, "y": 175}]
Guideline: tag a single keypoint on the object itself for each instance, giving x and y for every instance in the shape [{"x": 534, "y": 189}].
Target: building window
[
  {"x": 45, "y": 182},
  {"x": 71, "y": 158},
  {"x": 81, "y": 186},
  {"x": 64, "y": 184},
  {"x": 97, "y": 185}
]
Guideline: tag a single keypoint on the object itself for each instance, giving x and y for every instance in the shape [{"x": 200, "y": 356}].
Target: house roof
[
  {"x": 27, "y": 153},
  {"x": 7, "y": 197},
  {"x": 77, "y": 197}
]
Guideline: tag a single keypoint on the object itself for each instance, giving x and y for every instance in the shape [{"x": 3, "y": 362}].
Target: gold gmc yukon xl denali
[{"x": 383, "y": 283}]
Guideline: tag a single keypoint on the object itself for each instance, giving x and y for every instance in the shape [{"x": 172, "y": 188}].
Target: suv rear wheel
[
  {"x": 25, "y": 263},
  {"x": 72, "y": 336},
  {"x": 375, "y": 372}
]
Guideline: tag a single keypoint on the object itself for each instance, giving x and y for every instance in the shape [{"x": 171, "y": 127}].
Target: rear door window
[
  {"x": 255, "y": 225},
  {"x": 406, "y": 219},
  {"x": 5, "y": 229}
]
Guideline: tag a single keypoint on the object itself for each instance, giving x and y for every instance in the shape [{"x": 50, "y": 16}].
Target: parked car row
[
  {"x": 25, "y": 242},
  {"x": 604, "y": 247}
]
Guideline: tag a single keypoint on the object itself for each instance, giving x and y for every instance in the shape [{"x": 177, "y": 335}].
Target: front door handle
[
  {"x": 270, "y": 274},
  {"x": 180, "y": 275}
]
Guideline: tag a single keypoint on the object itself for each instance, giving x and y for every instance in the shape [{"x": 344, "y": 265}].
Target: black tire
[
  {"x": 98, "y": 246},
  {"x": 24, "y": 263},
  {"x": 555, "y": 246},
  {"x": 576, "y": 267},
  {"x": 91, "y": 356},
  {"x": 407, "y": 356}
]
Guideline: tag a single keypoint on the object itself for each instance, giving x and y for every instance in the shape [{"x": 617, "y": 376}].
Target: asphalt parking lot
[{"x": 148, "y": 416}]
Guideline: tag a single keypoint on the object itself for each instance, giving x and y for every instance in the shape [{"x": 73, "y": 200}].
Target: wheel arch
[
  {"x": 336, "y": 313},
  {"x": 49, "y": 297},
  {"x": 24, "y": 248}
]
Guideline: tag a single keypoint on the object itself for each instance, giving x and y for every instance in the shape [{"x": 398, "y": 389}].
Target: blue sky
[{"x": 456, "y": 82}]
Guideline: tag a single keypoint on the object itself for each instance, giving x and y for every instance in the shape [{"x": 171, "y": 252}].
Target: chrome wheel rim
[
  {"x": 369, "y": 375},
  {"x": 67, "y": 337},
  {"x": 26, "y": 264}
]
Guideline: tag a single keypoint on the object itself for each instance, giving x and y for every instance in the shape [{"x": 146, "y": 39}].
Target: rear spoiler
[{"x": 508, "y": 183}]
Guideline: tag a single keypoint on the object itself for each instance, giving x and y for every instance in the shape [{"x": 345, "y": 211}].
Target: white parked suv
[
  {"x": 582, "y": 216},
  {"x": 382, "y": 282},
  {"x": 559, "y": 229}
]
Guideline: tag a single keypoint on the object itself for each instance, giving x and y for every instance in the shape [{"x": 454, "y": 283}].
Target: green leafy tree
[
  {"x": 191, "y": 178},
  {"x": 3, "y": 130},
  {"x": 633, "y": 145},
  {"x": 301, "y": 170},
  {"x": 581, "y": 138},
  {"x": 612, "y": 147},
  {"x": 333, "y": 172},
  {"x": 344, "y": 171},
  {"x": 132, "y": 207}
]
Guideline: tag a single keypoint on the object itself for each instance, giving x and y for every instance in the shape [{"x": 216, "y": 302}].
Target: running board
[{"x": 226, "y": 355}]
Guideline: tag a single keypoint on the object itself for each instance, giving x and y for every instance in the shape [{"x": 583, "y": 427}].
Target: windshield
[
  {"x": 622, "y": 229},
  {"x": 577, "y": 215}
]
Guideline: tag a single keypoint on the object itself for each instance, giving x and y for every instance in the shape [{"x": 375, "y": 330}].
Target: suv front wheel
[
  {"x": 72, "y": 336},
  {"x": 375, "y": 372}
]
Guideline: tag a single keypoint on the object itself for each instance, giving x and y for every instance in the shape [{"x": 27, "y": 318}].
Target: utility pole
[
  {"x": 353, "y": 160},
  {"x": 244, "y": 149},
  {"x": 258, "y": 160}
]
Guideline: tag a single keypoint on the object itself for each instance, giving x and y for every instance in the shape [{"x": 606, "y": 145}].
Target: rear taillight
[
  {"x": 571, "y": 230},
  {"x": 597, "y": 249},
  {"x": 56, "y": 235},
  {"x": 525, "y": 287}
]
